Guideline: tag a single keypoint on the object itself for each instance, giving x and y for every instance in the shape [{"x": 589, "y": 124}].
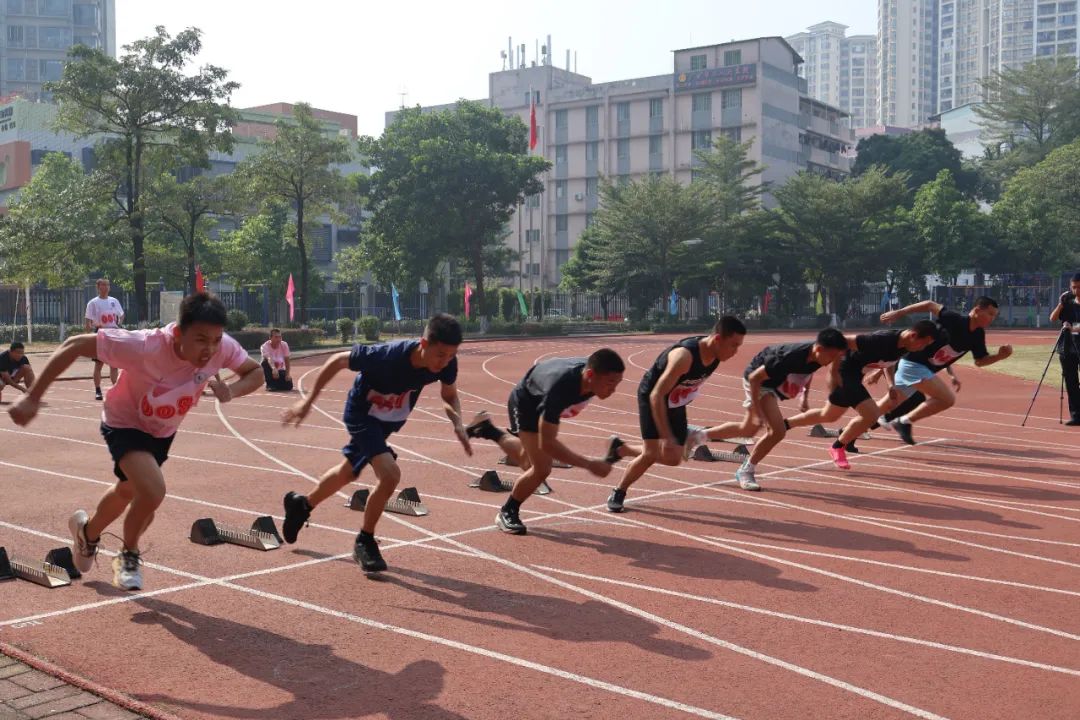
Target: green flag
[{"x": 521, "y": 302}]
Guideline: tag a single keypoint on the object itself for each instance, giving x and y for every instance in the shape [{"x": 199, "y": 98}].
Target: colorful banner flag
[
  {"x": 673, "y": 305},
  {"x": 884, "y": 301},
  {"x": 394, "y": 297},
  {"x": 819, "y": 303},
  {"x": 522, "y": 304},
  {"x": 200, "y": 284},
  {"x": 290, "y": 294},
  {"x": 765, "y": 302},
  {"x": 468, "y": 296}
]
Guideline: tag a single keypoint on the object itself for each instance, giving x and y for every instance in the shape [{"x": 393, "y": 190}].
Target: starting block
[
  {"x": 740, "y": 440},
  {"x": 509, "y": 462},
  {"x": 491, "y": 482},
  {"x": 41, "y": 573},
  {"x": 820, "y": 431},
  {"x": 706, "y": 454},
  {"x": 406, "y": 503},
  {"x": 262, "y": 535}
]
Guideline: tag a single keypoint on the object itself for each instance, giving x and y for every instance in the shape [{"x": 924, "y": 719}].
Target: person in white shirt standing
[
  {"x": 103, "y": 312},
  {"x": 277, "y": 370}
]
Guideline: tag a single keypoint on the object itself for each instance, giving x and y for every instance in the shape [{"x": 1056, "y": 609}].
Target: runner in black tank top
[{"x": 671, "y": 384}]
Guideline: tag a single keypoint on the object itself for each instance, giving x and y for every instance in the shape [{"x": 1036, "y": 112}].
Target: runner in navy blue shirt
[
  {"x": 551, "y": 390},
  {"x": 387, "y": 386},
  {"x": 870, "y": 351}
]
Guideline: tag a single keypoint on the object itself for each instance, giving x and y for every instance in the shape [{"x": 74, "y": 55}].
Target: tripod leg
[{"x": 1049, "y": 360}]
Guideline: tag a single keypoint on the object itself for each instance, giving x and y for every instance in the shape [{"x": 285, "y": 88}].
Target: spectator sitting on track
[
  {"x": 275, "y": 363},
  {"x": 15, "y": 368}
]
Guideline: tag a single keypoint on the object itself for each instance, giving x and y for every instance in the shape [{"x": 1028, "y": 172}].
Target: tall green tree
[
  {"x": 262, "y": 249},
  {"x": 141, "y": 101},
  {"x": 920, "y": 155},
  {"x": 950, "y": 227},
  {"x": 446, "y": 183},
  {"x": 845, "y": 231},
  {"x": 298, "y": 167},
  {"x": 1038, "y": 216},
  {"x": 184, "y": 213},
  {"x": 61, "y": 228},
  {"x": 1037, "y": 102},
  {"x": 647, "y": 234}
]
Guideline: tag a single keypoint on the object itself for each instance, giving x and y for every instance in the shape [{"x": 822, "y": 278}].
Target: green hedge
[{"x": 253, "y": 339}]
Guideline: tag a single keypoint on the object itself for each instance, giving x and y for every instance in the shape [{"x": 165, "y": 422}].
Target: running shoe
[
  {"x": 297, "y": 512},
  {"x": 839, "y": 457},
  {"x": 745, "y": 477},
  {"x": 82, "y": 550},
  {"x": 615, "y": 501},
  {"x": 367, "y": 556},
  {"x": 509, "y": 522},
  {"x": 127, "y": 570},
  {"x": 614, "y": 444}
]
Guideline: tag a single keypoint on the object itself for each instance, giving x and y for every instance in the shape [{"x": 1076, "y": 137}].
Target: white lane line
[
  {"x": 407, "y": 632},
  {"x": 813, "y": 621}
]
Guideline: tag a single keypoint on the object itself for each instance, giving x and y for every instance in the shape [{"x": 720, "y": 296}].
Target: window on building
[
  {"x": 1047, "y": 8},
  {"x": 697, "y": 62},
  {"x": 86, "y": 16},
  {"x": 54, "y": 38},
  {"x": 592, "y": 151},
  {"x": 592, "y": 187},
  {"x": 560, "y": 154},
  {"x": 51, "y": 70},
  {"x": 532, "y": 236},
  {"x": 15, "y": 36},
  {"x": 622, "y": 180},
  {"x": 562, "y": 256},
  {"x": 701, "y": 102},
  {"x": 17, "y": 7},
  {"x": 561, "y": 222},
  {"x": 733, "y": 134},
  {"x": 592, "y": 116},
  {"x": 90, "y": 41},
  {"x": 560, "y": 120},
  {"x": 732, "y": 57},
  {"x": 623, "y": 148},
  {"x": 16, "y": 69},
  {"x": 622, "y": 112},
  {"x": 656, "y": 107},
  {"x": 733, "y": 98},
  {"x": 560, "y": 189},
  {"x": 656, "y": 144},
  {"x": 701, "y": 140},
  {"x": 532, "y": 201},
  {"x": 54, "y": 8}
]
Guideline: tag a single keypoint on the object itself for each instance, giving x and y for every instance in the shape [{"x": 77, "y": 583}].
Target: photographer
[{"x": 1068, "y": 312}]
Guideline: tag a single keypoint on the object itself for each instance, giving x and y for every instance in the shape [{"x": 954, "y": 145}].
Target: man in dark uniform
[
  {"x": 1068, "y": 313},
  {"x": 671, "y": 384}
]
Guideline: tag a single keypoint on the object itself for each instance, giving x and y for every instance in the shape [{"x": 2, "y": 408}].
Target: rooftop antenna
[
  {"x": 567, "y": 59},
  {"x": 404, "y": 94},
  {"x": 549, "y": 52},
  {"x": 502, "y": 54},
  {"x": 509, "y": 56}
]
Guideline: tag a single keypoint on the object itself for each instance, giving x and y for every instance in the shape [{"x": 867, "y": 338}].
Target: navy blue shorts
[{"x": 366, "y": 442}]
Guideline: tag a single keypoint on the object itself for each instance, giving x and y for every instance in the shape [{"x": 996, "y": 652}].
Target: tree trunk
[
  {"x": 189, "y": 242},
  {"x": 138, "y": 234},
  {"x": 604, "y": 304},
  {"x": 303, "y": 260}
]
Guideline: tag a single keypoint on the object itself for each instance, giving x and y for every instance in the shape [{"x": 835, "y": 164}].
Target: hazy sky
[{"x": 357, "y": 56}]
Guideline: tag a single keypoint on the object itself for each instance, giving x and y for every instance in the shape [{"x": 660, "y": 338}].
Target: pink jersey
[
  {"x": 156, "y": 388},
  {"x": 275, "y": 355}
]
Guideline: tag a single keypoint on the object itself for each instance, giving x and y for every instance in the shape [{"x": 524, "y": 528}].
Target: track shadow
[
  {"x": 908, "y": 508},
  {"x": 323, "y": 685},
  {"x": 1027, "y": 452},
  {"x": 680, "y": 559},
  {"x": 550, "y": 617},
  {"x": 923, "y": 477},
  {"x": 803, "y": 533}
]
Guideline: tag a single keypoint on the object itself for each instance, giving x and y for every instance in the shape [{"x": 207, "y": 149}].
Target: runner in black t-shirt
[
  {"x": 779, "y": 372},
  {"x": 957, "y": 335},
  {"x": 1068, "y": 313},
  {"x": 551, "y": 390},
  {"x": 870, "y": 351},
  {"x": 15, "y": 368},
  {"x": 671, "y": 384}
]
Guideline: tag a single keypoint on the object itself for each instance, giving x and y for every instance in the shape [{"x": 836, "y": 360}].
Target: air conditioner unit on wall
[{"x": 579, "y": 196}]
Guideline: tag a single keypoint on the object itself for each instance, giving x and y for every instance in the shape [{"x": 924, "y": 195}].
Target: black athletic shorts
[
  {"x": 851, "y": 391},
  {"x": 366, "y": 441},
  {"x": 523, "y": 412},
  {"x": 676, "y": 419},
  {"x": 121, "y": 441}
]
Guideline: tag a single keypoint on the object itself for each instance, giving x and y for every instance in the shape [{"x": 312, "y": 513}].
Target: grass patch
[{"x": 1027, "y": 362}]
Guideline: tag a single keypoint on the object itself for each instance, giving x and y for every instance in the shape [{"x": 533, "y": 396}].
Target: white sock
[
  {"x": 882, "y": 421},
  {"x": 747, "y": 465},
  {"x": 903, "y": 419}
]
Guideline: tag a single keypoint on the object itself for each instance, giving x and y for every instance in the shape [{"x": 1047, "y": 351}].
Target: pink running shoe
[{"x": 839, "y": 456}]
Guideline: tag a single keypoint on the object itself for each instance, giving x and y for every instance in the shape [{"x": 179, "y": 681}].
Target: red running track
[{"x": 940, "y": 580}]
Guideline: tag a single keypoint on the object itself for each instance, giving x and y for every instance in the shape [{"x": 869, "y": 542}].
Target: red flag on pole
[
  {"x": 468, "y": 295},
  {"x": 200, "y": 283},
  {"x": 765, "y": 302},
  {"x": 290, "y": 292},
  {"x": 532, "y": 120}
]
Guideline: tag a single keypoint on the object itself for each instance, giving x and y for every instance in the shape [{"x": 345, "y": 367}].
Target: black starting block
[
  {"x": 707, "y": 454},
  {"x": 41, "y": 573},
  {"x": 509, "y": 462},
  {"x": 406, "y": 503},
  {"x": 820, "y": 431},
  {"x": 262, "y": 535},
  {"x": 491, "y": 482}
]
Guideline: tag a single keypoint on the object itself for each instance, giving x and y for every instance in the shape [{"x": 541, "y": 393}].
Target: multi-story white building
[
  {"x": 907, "y": 61},
  {"x": 839, "y": 70},
  {"x": 37, "y": 35},
  {"x": 748, "y": 90}
]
